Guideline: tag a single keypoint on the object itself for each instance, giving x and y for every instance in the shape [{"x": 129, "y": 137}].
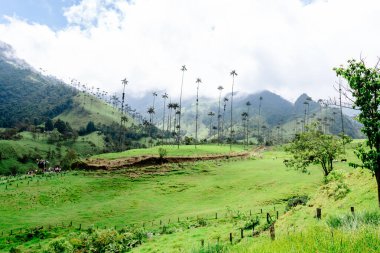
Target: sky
[{"x": 286, "y": 46}]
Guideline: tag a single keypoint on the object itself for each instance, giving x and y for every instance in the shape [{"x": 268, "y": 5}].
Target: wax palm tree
[
  {"x": 170, "y": 108},
  {"x": 121, "y": 139},
  {"x": 154, "y": 98},
  {"x": 248, "y": 104},
  {"x": 211, "y": 114},
  {"x": 233, "y": 74},
  {"x": 164, "y": 96},
  {"x": 176, "y": 114},
  {"x": 259, "y": 118},
  {"x": 225, "y": 100},
  {"x": 198, "y": 81},
  {"x": 220, "y": 88},
  {"x": 151, "y": 112},
  {"x": 183, "y": 69},
  {"x": 244, "y": 117}
]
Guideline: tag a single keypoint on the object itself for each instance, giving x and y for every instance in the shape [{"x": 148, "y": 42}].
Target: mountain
[{"x": 26, "y": 95}]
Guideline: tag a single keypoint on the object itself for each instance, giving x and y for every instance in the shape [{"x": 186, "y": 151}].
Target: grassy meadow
[
  {"x": 173, "y": 150},
  {"x": 178, "y": 206}
]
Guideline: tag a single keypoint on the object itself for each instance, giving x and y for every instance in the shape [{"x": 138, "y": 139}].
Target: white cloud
[{"x": 280, "y": 45}]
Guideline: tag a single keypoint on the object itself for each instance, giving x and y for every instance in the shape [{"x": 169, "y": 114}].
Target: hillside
[
  {"x": 26, "y": 96},
  {"x": 174, "y": 207}
]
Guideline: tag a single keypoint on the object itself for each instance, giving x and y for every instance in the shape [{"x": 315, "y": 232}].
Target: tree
[
  {"x": 90, "y": 127},
  {"x": 183, "y": 69},
  {"x": 244, "y": 117},
  {"x": 364, "y": 86},
  {"x": 233, "y": 74},
  {"x": 211, "y": 114},
  {"x": 258, "y": 119},
  {"x": 121, "y": 135},
  {"x": 154, "y": 98},
  {"x": 248, "y": 104},
  {"x": 220, "y": 88},
  {"x": 151, "y": 112},
  {"x": 49, "y": 126},
  {"x": 165, "y": 96},
  {"x": 60, "y": 125},
  {"x": 315, "y": 147},
  {"x": 198, "y": 81},
  {"x": 225, "y": 100}
]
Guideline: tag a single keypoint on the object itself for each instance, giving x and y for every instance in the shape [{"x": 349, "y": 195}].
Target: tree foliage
[
  {"x": 314, "y": 147},
  {"x": 364, "y": 86}
]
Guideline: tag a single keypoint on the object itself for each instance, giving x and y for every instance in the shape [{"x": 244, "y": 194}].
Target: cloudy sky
[{"x": 285, "y": 46}]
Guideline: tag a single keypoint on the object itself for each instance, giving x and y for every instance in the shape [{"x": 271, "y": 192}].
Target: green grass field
[
  {"x": 172, "y": 150},
  {"x": 231, "y": 188}
]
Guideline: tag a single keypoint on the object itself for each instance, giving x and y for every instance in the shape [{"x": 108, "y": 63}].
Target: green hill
[{"x": 26, "y": 96}]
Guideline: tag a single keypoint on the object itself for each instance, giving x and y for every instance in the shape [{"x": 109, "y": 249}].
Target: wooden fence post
[
  {"x": 319, "y": 213},
  {"x": 353, "y": 210},
  {"x": 202, "y": 243},
  {"x": 268, "y": 218},
  {"x": 272, "y": 232},
  {"x": 241, "y": 233},
  {"x": 261, "y": 210},
  {"x": 216, "y": 216},
  {"x": 231, "y": 238},
  {"x": 80, "y": 226},
  {"x": 277, "y": 215}
]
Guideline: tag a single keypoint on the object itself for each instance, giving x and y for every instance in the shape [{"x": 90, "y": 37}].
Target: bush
[
  {"x": 216, "y": 248},
  {"x": 162, "y": 152},
  {"x": 295, "y": 201},
  {"x": 59, "y": 246}
]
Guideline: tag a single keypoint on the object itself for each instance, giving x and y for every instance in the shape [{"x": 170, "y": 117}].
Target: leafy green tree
[
  {"x": 60, "y": 125},
  {"x": 49, "y": 126},
  {"x": 314, "y": 147},
  {"x": 90, "y": 127},
  {"x": 364, "y": 86},
  {"x": 68, "y": 159}
]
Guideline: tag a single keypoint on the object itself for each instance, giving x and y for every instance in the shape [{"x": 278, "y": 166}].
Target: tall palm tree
[
  {"x": 248, "y": 104},
  {"x": 170, "y": 108},
  {"x": 305, "y": 115},
  {"x": 233, "y": 74},
  {"x": 225, "y": 100},
  {"x": 151, "y": 113},
  {"x": 198, "y": 81},
  {"x": 176, "y": 113},
  {"x": 244, "y": 117},
  {"x": 121, "y": 141},
  {"x": 259, "y": 119},
  {"x": 154, "y": 97},
  {"x": 220, "y": 88},
  {"x": 211, "y": 114},
  {"x": 183, "y": 69},
  {"x": 164, "y": 96}
]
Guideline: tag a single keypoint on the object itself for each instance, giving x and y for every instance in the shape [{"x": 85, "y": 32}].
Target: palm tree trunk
[{"x": 196, "y": 119}]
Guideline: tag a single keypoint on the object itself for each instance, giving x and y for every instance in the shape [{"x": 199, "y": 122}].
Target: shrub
[
  {"x": 216, "y": 248},
  {"x": 59, "y": 246},
  {"x": 295, "y": 201},
  {"x": 162, "y": 152}
]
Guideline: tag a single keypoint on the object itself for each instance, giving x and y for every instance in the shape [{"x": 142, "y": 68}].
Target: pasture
[{"x": 175, "y": 196}]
